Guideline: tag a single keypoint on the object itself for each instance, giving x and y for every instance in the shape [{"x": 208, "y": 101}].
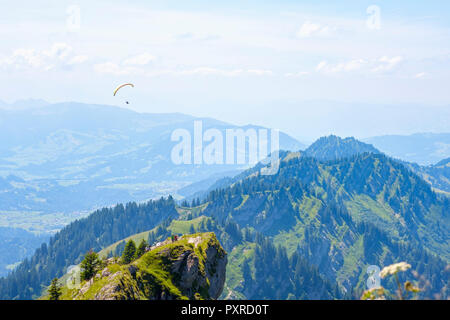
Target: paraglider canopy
[{"x": 121, "y": 86}]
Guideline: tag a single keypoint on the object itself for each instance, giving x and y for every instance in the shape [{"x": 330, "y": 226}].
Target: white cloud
[
  {"x": 378, "y": 65},
  {"x": 115, "y": 69},
  {"x": 189, "y": 36},
  {"x": 78, "y": 60},
  {"x": 59, "y": 54},
  {"x": 296, "y": 74},
  {"x": 140, "y": 65},
  {"x": 208, "y": 71},
  {"x": 321, "y": 65},
  {"x": 387, "y": 64},
  {"x": 139, "y": 60},
  {"x": 420, "y": 75},
  {"x": 352, "y": 65},
  {"x": 309, "y": 29},
  {"x": 259, "y": 72},
  {"x": 134, "y": 65},
  {"x": 25, "y": 58},
  {"x": 58, "y": 50}
]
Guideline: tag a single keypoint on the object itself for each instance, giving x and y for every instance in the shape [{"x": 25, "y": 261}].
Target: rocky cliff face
[
  {"x": 204, "y": 273},
  {"x": 190, "y": 268}
]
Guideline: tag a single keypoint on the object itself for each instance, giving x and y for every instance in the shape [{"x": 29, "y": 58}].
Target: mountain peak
[
  {"x": 333, "y": 147},
  {"x": 443, "y": 163}
]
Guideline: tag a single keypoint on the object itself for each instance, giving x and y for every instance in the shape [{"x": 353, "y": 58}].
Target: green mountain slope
[
  {"x": 437, "y": 175},
  {"x": 67, "y": 247},
  {"x": 344, "y": 215},
  {"x": 15, "y": 245},
  {"x": 157, "y": 233},
  {"x": 191, "y": 268},
  {"x": 332, "y": 147},
  {"x": 308, "y": 232}
]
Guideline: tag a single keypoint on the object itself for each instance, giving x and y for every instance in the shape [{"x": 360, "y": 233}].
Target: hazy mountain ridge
[
  {"x": 108, "y": 154},
  {"x": 421, "y": 148},
  {"x": 443, "y": 163}
]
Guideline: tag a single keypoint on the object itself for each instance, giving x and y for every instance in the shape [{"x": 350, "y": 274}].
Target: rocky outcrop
[
  {"x": 190, "y": 268},
  {"x": 119, "y": 287},
  {"x": 207, "y": 277}
]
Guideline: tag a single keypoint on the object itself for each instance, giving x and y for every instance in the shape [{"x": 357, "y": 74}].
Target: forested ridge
[
  {"x": 68, "y": 246},
  {"x": 346, "y": 214}
]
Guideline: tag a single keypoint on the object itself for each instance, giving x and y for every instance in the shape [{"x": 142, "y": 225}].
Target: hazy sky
[{"x": 348, "y": 67}]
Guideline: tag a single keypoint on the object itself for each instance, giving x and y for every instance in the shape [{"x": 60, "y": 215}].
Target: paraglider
[{"x": 121, "y": 86}]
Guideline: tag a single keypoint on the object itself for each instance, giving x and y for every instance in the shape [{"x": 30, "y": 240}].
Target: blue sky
[{"x": 347, "y": 67}]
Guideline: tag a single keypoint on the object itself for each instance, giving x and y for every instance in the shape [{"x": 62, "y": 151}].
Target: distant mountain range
[
  {"x": 421, "y": 148},
  {"x": 60, "y": 161},
  {"x": 102, "y": 154}
]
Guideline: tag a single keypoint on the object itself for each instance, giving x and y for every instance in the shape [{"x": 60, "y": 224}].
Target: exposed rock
[
  {"x": 132, "y": 269},
  {"x": 118, "y": 287},
  {"x": 190, "y": 268},
  {"x": 105, "y": 273},
  {"x": 195, "y": 276},
  {"x": 85, "y": 287},
  {"x": 195, "y": 240},
  {"x": 216, "y": 269}
]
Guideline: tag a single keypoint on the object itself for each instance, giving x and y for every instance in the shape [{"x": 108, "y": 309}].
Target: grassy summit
[{"x": 191, "y": 268}]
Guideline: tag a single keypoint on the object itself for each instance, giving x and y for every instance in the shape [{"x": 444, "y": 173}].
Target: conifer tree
[
  {"x": 90, "y": 265},
  {"x": 151, "y": 238},
  {"x": 55, "y": 290},
  {"x": 129, "y": 252},
  {"x": 141, "y": 249},
  {"x": 209, "y": 225}
]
